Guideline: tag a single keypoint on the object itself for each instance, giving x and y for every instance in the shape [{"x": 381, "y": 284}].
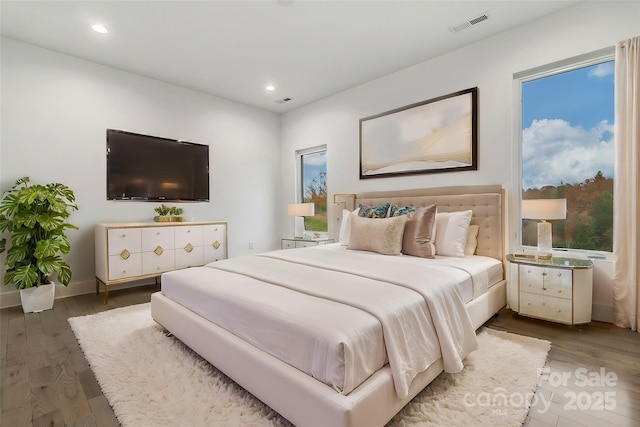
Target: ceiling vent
[
  {"x": 471, "y": 22},
  {"x": 283, "y": 100}
]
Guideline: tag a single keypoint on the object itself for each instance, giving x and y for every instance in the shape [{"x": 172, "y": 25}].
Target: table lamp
[
  {"x": 544, "y": 209},
  {"x": 299, "y": 211}
]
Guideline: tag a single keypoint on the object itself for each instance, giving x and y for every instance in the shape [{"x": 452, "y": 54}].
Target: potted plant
[
  {"x": 176, "y": 214},
  {"x": 163, "y": 213},
  {"x": 35, "y": 218}
]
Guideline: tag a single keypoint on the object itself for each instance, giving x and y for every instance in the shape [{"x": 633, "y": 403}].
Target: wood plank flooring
[{"x": 45, "y": 379}]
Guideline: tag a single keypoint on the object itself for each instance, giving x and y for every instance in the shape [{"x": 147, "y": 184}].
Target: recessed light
[
  {"x": 99, "y": 29},
  {"x": 270, "y": 88}
]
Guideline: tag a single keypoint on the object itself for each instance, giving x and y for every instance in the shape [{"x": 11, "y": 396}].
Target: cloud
[
  {"x": 554, "y": 152},
  {"x": 602, "y": 70},
  {"x": 316, "y": 159}
]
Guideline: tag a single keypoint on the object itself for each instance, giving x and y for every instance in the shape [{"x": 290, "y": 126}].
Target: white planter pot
[{"x": 35, "y": 300}]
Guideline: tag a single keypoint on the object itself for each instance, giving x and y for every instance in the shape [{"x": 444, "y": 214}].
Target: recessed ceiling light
[
  {"x": 99, "y": 29},
  {"x": 270, "y": 88}
]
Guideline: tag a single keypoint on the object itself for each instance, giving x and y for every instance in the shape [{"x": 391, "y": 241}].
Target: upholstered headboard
[{"x": 487, "y": 207}]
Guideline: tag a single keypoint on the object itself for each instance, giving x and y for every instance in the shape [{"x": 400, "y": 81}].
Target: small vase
[
  {"x": 37, "y": 299},
  {"x": 164, "y": 218}
]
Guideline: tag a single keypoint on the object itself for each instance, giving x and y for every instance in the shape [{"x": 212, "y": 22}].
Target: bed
[{"x": 347, "y": 365}]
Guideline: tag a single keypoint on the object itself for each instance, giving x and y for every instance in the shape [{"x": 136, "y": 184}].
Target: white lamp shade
[
  {"x": 544, "y": 209},
  {"x": 301, "y": 209}
]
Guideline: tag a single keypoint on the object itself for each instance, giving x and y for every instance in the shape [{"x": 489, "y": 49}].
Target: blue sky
[
  {"x": 313, "y": 165},
  {"x": 567, "y": 124}
]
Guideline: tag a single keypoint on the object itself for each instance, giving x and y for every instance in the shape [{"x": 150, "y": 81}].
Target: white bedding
[{"x": 337, "y": 338}]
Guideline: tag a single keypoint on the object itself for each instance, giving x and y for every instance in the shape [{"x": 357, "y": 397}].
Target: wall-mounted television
[{"x": 143, "y": 167}]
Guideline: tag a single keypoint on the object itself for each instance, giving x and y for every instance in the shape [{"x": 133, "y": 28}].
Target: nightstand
[
  {"x": 303, "y": 243},
  {"x": 558, "y": 289}
]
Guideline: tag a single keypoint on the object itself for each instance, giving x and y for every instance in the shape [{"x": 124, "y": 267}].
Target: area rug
[{"x": 151, "y": 379}]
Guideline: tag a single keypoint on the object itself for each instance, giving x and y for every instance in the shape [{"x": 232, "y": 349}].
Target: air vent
[
  {"x": 283, "y": 100},
  {"x": 466, "y": 24}
]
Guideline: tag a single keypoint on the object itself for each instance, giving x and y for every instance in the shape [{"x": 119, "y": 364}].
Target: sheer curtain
[{"x": 626, "y": 235}]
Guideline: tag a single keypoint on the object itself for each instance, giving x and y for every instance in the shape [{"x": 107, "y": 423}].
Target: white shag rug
[{"x": 154, "y": 380}]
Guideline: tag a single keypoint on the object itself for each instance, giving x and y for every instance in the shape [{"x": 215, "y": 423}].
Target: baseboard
[
  {"x": 12, "y": 298},
  {"x": 602, "y": 313}
]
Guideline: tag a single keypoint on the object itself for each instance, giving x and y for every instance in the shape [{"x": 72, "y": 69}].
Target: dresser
[
  {"x": 126, "y": 252},
  {"x": 303, "y": 243},
  {"x": 559, "y": 289}
]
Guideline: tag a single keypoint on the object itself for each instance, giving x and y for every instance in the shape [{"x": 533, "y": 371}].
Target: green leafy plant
[
  {"x": 175, "y": 211},
  {"x": 162, "y": 210},
  {"x": 35, "y": 218}
]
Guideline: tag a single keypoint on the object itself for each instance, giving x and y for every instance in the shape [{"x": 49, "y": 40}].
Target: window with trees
[
  {"x": 568, "y": 150},
  {"x": 313, "y": 176}
]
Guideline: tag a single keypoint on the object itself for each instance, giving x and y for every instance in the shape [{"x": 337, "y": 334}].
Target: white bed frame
[{"x": 297, "y": 396}]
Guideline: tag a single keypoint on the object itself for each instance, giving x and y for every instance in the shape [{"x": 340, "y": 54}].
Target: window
[
  {"x": 313, "y": 179},
  {"x": 568, "y": 151}
]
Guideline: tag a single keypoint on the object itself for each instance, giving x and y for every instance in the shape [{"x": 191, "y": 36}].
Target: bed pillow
[
  {"x": 381, "y": 211},
  {"x": 345, "y": 226},
  {"x": 418, "y": 233},
  {"x": 451, "y": 232},
  {"x": 472, "y": 240},
  {"x": 383, "y": 235},
  {"x": 396, "y": 210}
]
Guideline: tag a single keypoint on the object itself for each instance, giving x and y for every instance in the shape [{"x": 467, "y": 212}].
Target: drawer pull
[
  {"x": 544, "y": 273},
  {"x": 124, "y": 235},
  {"x": 544, "y": 289},
  {"x": 528, "y": 303},
  {"x": 559, "y": 310},
  {"x": 188, "y": 248},
  {"x": 158, "y": 251},
  {"x": 188, "y": 231},
  {"x": 559, "y": 274},
  {"x": 125, "y": 254},
  {"x": 216, "y": 244},
  {"x": 560, "y": 291}
]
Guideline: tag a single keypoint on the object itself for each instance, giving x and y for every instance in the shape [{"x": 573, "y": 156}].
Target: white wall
[
  {"x": 55, "y": 112},
  {"x": 488, "y": 65}
]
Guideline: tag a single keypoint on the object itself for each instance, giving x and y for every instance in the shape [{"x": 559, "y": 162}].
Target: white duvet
[{"x": 338, "y": 315}]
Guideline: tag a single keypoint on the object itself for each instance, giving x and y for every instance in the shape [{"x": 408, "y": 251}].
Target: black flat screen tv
[{"x": 143, "y": 167}]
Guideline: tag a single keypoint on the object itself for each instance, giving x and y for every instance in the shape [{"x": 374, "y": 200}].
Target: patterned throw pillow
[
  {"x": 403, "y": 210},
  {"x": 374, "y": 211}
]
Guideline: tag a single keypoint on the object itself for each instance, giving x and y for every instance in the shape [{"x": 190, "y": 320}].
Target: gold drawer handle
[
  {"x": 124, "y": 235},
  {"x": 188, "y": 248},
  {"x": 158, "y": 251},
  {"x": 125, "y": 254},
  {"x": 216, "y": 244}
]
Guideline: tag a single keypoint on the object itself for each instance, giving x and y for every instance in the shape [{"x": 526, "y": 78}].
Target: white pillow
[
  {"x": 382, "y": 235},
  {"x": 472, "y": 240},
  {"x": 451, "y": 232},
  {"x": 345, "y": 226}
]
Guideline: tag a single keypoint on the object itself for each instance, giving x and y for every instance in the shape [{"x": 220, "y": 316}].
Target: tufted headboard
[{"x": 486, "y": 202}]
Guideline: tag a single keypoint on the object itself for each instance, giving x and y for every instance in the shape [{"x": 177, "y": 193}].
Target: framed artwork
[{"x": 438, "y": 135}]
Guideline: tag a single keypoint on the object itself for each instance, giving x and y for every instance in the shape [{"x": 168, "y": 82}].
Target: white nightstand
[
  {"x": 303, "y": 243},
  {"x": 559, "y": 289}
]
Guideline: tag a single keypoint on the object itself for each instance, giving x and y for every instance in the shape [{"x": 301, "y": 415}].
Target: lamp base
[
  {"x": 299, "y": 227},
  {"x": 544, "y": 240}
]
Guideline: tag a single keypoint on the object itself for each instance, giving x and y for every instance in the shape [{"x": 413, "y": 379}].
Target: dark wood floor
[{"x": 45, "y": 379}]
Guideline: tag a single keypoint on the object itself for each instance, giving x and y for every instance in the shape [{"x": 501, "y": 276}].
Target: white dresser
[
  {"x": 131, "y": 251},
  {"x": 559, "y": 290}
]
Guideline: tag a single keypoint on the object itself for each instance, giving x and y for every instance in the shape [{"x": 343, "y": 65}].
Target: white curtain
[{"x": 626, "y": 231}]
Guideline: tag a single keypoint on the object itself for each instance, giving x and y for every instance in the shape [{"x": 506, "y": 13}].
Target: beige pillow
[
  {"x": 472, "y": 240},
  {"x": 382, "y": 235},
  {"x": 418, "y": 233}
]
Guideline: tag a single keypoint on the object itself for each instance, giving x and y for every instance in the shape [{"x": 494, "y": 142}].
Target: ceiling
[{"x": 307, "y": 50}]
